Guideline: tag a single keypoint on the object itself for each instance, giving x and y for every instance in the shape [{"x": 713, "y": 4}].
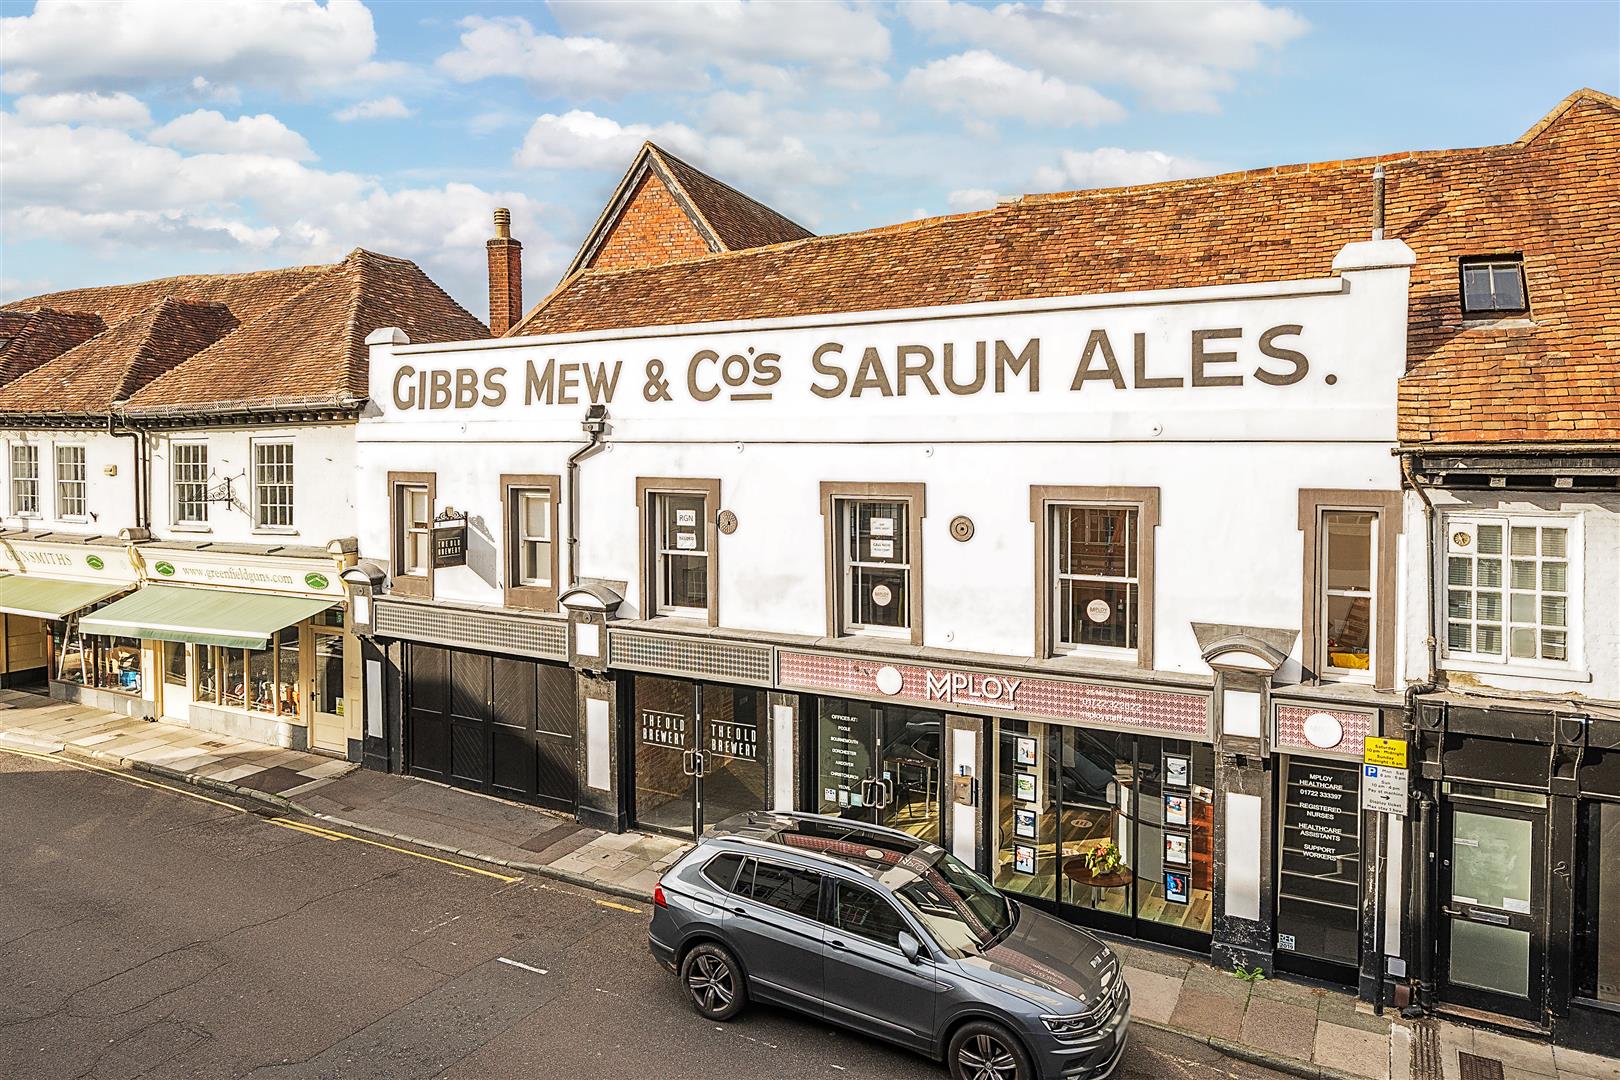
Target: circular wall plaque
[
  {"x": 962, "y": 528},
  {"x": 1323, "y": 731},
  {"x": 1098, "y": 611},
  {"x": 727, "y": 522},
  {"x": 888, "y": 680},
  {"x": 881, "y": 596}
]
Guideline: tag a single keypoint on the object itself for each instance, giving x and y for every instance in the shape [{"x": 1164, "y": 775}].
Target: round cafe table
[{"x": 1076, "y": 870}]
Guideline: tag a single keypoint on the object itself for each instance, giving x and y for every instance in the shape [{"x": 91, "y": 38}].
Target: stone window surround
[
  {"x": 1386, "y": 505},
  {"x": 647, "y": 564},
  {"x": 529, "y": 597},
  {"x": 915, "y": 496},
  {"x": 1146, "y": 501},
  {"x": 408, "y": 584}
]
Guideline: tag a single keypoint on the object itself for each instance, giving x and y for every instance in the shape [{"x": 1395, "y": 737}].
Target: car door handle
[
  {"x": 834, "y": 943},
  {"x": 739, "y": 911}
]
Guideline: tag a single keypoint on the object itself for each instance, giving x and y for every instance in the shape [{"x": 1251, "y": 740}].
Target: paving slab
[
  {"x": 1207, "y": 1013},
  {"x": 1280, "y": 1027},
  {"x": 1351, "y": 1050},
  {"x": 1526, "y": 1055},
  {"x": 1153, "y": 994},
  {"x": 1578, "y": 1063}
]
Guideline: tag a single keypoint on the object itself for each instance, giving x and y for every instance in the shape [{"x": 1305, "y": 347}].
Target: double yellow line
[{"x": 295, "y": 824}]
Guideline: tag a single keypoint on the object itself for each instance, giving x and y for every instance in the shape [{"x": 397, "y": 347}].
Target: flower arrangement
[{"x": 1105, "y": 858}]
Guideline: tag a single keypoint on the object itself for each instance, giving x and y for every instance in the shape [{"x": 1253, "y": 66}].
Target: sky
[{"x": 145, "y": 138}]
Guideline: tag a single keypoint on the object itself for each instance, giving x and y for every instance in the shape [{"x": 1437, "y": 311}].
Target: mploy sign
[
  {"x": 258, "y": 574},
  {"x": 78, "y": 562},
  {"x": 1384, "y": 789}
]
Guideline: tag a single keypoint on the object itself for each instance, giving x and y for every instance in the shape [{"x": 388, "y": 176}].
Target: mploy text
[
  {"x": 1099, "y": 362},
  {"x": 954, "y": 686}
]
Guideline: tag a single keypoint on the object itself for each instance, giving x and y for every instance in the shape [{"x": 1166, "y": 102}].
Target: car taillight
[{"x": 658, "y": 895}]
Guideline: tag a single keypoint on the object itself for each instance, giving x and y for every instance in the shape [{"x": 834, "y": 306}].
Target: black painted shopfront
[{"x": 496, "y": 724}]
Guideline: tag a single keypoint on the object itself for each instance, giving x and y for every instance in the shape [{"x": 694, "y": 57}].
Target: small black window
[
  {"x": 722, "y": 869},
  {"x": 1493, "y": 286},
  {"x": 864, "y": 913},
  {"x": 795, "y": 891}
]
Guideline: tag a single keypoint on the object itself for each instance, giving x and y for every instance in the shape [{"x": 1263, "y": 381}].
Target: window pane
[
  {"x": 880, "y": 597},
  {"x": 207, "y": 673},
  {"x": 1524, "y": 574},
  {"x": 1349, "y": 550},
  {"x": 722, "y": 869},
  {"x": 1552, "y": 645},
  {"x": 1490, "y": 640},
  {"x": 1490, "y": 573},
  {"x": 1489, "y": 606},
  {"x": 1507, "y": 286},
  {"x": 1597, "y": 914},
  {"x": 1459, "y": 571},
  {"x": 536, "y": 517},
  {"x": 1524, "y": 642},
  {"x": 1523, "y": 607},
  {"x": 866, "y": 914},
  {"x": 287, "y": 688},
  {"x": 1349, "y": 632},
  {"x": 1553, "y": 542},
  {"x": 1490, "y": 539},
  {"x": 1097, "y": 613},
  {"x": 235, "y": 678},
  {"x": 1524, "y": 540},
  {"x": 1459, "y": 604},
  {"x": 1552, "y": 610},
  {"x": 417, "y": 502},
  {"x": 686, "y": 581},
  {"x": 681, "y": 522},
  {"x": 417, "y": 558},
  {"x": 1554, "y": 576},
  {"x": 1458, "y": 636},
  {"x": 785, "y": 888},
  {"x": 1477, "y": 288},
  {"x": 261, "y": 680}
]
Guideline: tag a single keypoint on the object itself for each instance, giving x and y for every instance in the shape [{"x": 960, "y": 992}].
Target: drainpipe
[
  {"x": 138, "y": 445},
  {"x": 595, "y": 424},
  {"x": 1424, "y": 932}
]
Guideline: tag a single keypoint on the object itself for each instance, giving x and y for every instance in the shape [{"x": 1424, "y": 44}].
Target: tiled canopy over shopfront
[
  {"x": 176, "y": 501},
  {"x": 1072, "y": 535}
]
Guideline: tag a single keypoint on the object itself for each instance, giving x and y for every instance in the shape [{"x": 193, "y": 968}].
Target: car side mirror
[{"x": 911, "y": 947}]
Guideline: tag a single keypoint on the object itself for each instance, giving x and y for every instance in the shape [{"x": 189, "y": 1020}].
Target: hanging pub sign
[{"x": 449, "y": 539}]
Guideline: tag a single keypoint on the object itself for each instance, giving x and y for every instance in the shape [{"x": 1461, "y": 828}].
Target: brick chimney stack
[{"x": 505, "y": 276}]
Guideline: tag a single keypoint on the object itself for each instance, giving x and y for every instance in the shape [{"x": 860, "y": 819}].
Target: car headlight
[{"x": 1067, "y": 1027}]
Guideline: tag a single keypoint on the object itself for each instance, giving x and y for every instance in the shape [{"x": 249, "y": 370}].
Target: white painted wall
[
  {"x": 1593, "y": 668},
  {"x": 1228, "y": 460},
  {"x": 109, "y": 500}
]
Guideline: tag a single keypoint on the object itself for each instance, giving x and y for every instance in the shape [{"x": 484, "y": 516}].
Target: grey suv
[{"x": 875, "y": 930}]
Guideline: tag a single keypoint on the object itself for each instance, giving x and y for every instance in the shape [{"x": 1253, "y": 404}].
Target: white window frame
[
  {"x": 1573, "y": 666},
  {"x": 1055, "y": 580},
  {"x": 258, "y": 446},
  {"x": 409, "y": 528},
  {"x": 16, "y": 481},
  {"x": 1323, "y": 593},
  {"x": 661, "y": 553},
  {"x": 521, "y": 496},
  {"x": 844, "y": 507},
  {"x": 176, "y": 482},
  {"x": 60, "y": 485}
]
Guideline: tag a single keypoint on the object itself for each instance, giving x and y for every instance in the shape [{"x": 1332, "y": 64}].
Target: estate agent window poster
[
  {"x": 1024, "y": 858},
  {"x": 1024, "y": 787},
  {"x": 1026, "y": 751},
  {"x": 686, "y": 519},
  {"x": 882, "y": 526},
  {"x": 1176, "y": 770},
  {"x": 1175, "y": 809},
  {"x": 1176, "y": 848},
  {"x": 1176, "y": 886},
  {"x": 1024, "y": 823}
]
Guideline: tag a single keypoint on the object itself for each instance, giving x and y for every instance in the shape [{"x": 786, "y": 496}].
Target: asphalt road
[{"x": 147, "y": 932}]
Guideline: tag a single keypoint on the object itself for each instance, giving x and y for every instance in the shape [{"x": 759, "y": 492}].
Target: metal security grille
[
  {"x": 487, "y": 630},
  {"x": 273, "y": 484},
  {"x": 70, "y": 478},
  {"x": 661, "y": 653},
  {"x": 190, "y": 482},
  {"x": 24, "y": 479}
]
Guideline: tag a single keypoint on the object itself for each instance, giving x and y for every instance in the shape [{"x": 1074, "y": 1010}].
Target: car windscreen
[{"x": 964, "y": 912}]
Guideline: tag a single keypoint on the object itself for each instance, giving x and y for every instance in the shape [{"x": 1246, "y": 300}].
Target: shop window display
[
  {"x": 104, "y": 663},
  {"x": 1598, "y": 902},
  {"x": 258, "y": 680}
]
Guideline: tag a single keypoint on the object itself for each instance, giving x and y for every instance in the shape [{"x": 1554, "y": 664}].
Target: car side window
[
  {"x": 864, "y": 913},
  {"x": 784, "y": 887},
  {"x": 722, "y": 870}
]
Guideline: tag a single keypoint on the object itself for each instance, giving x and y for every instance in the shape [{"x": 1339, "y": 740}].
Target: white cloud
[
  {"x": 1111, "y": 166},
  {"x": 965, "y": 199},
  {"x": 576, "y": 66},
  {"x": 383, "y": 108},
  {"x": 208, "y": 131},
  {"x": 979, "y": 83},
  {"x": 1178, "y": 56},
  {"x": 295, "y": 46},
  {"x": 115, "y": 195},
  {"x": 584, "y": 140},
  {"x": 113, "y": 110}
]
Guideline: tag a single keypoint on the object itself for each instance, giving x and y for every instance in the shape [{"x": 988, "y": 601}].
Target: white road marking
[{"x": 525, "y": 967}]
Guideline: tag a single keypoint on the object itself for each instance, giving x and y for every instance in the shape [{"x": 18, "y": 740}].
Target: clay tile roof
[
  {"x": 37, "y": 336},
  {"x": 90, "y": 377},
  {"x": 311, "y": 346},
  {"x": 738, "y": 221},
  {"x": 1553, "y": 195}
]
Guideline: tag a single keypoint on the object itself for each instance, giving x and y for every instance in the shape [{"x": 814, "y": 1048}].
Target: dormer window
[{"x": 1494, "y": 285}]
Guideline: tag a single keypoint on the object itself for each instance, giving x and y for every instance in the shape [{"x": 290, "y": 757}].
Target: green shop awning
[
  {"x": 236, "y": 620},
  {"x": 45, "y": 598}
]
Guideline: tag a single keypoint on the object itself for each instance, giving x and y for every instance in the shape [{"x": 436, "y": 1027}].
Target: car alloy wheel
[
  {"x": 711, "y": 983},
  {"x": 985, "y": 1051}
]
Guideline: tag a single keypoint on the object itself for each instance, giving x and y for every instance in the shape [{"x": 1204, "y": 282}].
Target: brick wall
[{"x": 652, "y": 230}]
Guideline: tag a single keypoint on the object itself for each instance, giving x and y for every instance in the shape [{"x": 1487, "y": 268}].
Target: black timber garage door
[{"x": 491, "y": 724}]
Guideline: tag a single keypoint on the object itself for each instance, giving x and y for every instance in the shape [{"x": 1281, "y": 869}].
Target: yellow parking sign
[{"x": 1387, "y": 752}]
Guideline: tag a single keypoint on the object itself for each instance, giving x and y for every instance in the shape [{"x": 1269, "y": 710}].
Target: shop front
[
  {"x": 48, "y": 585},
  {"x": 881, "y": 763},
  {"x": 700, "y": 752}
]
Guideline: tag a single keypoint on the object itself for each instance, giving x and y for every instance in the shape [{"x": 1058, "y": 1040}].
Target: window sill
[
  {"x": 1549, "y": 672},
  {"x": 191, "y": 527},
  {"x": 275, "y": 530}
]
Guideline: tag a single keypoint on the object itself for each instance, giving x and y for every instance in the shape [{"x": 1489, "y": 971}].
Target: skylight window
[{"x": 1494, "y": 286}]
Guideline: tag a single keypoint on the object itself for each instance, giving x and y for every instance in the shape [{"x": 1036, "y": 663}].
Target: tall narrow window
[
  {"x": 1527, "y": 561},
  {"x": 529, "y": 512},
  {"x": 1349, "y": 541},
  {"x": 70, "y": 481},
  {"x": 1095, "y": 577},
  {"x": 416, "y": 530},
  {"x": 681, "y": 547},
  {"x": 25, "y": 479},
  {"x": 875, "y": 564},
  {"x": 273, "y": 484},
  {"x": 190, "y": 468},
  {"x": 532, "y": 539}
]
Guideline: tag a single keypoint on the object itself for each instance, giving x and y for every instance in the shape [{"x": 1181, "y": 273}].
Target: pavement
[{"x": 1290, "y": 1026}]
